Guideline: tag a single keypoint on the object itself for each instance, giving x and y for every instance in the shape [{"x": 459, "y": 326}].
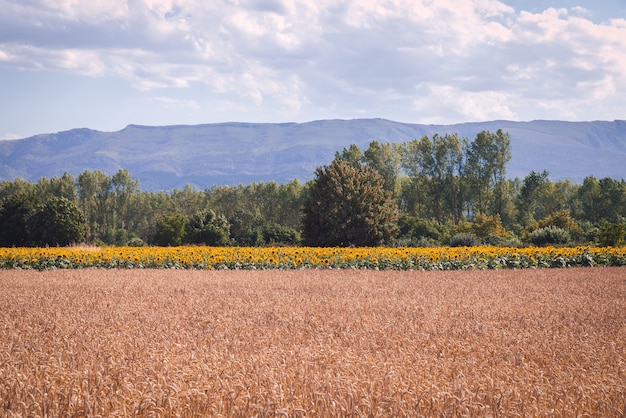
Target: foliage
[
  {"x": 612, "y": 234},
  {"x": 205, "y": 227},
  {"x": 442, "y": 180},
  {"x": 464, "y": 239},
  {"x": 170, "y": 230},
  {"x": 549, "y": 235},
  {"x": 15, "y": 215},
  {"x": 529, "y": 196},
  {"x": 57, "y": 222},
  {"x": 347, "y": 205},
  {"x": 416, "y": 229},
  {"x": 485, "y": 169},
  {"x": 484, "y": 226},
  {"x": 280, "y": 234},
  {"x": 560, "y": 219}
]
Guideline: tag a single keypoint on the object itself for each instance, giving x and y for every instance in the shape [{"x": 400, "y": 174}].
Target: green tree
[
  {"x": 280, "y": 234},
  {"x": 246, "y": 228},
  {"x": 529, "y": 197},
  {"x": 205, "y": 227},
  {"x": 414, "y": 191},
  {"x": 485, "y": 170},
  {"x": 170, "y": 230},
  {"x": 57, "y": 187},
  {"x": 347, "y": 205},
  {"x": 15, "y": 213},
  {"x": 57, "y": 222},
  {"x": 94, "y": 192},
  {"x": 384, "y": 158},
  {"x": 612, "y": 234},
  {"x": 612, "y": 199},
  {"x": 123, "y": 187},
  {"x": 351, "y": 155}
]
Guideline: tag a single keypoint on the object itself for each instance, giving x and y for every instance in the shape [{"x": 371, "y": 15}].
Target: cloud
[{"x": 404, "y": 59}]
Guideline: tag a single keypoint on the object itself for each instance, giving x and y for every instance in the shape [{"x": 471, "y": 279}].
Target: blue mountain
[{"x": 166, "y": 157}]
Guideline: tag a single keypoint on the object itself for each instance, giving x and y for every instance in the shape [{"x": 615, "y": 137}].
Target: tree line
[{"x": 439, "y": 190}]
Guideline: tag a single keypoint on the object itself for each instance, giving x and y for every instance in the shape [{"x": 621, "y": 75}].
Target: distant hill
[{"x": 166, "y": 157}]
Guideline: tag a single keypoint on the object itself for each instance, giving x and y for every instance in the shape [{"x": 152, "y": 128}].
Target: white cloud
[
  {"x": 169, "y": 103},
  {"x": 413, "y": 60}
]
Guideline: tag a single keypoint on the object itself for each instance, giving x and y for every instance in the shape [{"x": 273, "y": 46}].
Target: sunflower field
[{"x": 377, "y": 258}]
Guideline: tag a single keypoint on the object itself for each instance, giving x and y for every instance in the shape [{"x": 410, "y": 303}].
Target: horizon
[{"x": 306, "y": 122}]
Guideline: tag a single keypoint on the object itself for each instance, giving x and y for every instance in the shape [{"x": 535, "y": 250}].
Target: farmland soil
[{"x": 313, "y": 343}]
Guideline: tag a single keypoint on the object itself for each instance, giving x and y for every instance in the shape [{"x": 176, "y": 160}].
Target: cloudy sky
[{"x": 104, "y": 64}]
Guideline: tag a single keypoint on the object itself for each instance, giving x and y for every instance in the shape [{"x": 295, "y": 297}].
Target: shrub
[
  {"x": 549, "y": 235},
  {"x": 15, "y": 214},
  {"x": 507, "y": 240},
  {"x": 560, "y": 219},
  {"x": 170, "y": 230},
  {"x": 280, "y": 234},
  {"x": 136, "y": 242},
  {"x": 464, "y": 239},
  {"x": 612, "y": 234},
  {"x": 58, "y": 222},
  {"x": 415, "y": 229},
  {"x": 205, "y": 227},
  {"x": 484, "y": 226}
]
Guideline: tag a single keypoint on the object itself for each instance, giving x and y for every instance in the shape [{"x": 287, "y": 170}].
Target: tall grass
[{"x": 313, "y": 343}]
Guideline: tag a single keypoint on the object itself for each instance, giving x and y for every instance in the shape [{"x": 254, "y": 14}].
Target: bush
[
  {"x": 422, "y": 242},
  {"x": 280, "y": 234},
  {"x": 15, "y": 214},
  {"x": 549, "y": 235},
  {"x": 464, "y": 239},
  {"x": 113, "y": 236},
  {"x": 136, "y": 242},
  {"x": 560, "y": 219},
  {"x": 507, "y": 240},
  {"x": 205, "y": 227},
  {"x": 58, "y": 222},
  {"x": 420, "y": 230},
  {"x": 170, "y": 230},
  {"x": 484, "y": 226},
  {"x": 612, "y": 234}
]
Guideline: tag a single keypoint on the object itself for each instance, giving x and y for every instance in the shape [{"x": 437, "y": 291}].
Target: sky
[{"x": 104, "y": 64}]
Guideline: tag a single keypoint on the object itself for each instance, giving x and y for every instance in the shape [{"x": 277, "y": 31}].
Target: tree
[
  {"x": 351, "y": 155},
  {"x": 58, "y": 222},
  {"x": 384, "y": 158},
  {"x": 15, "y": 214},
  {"x": 347, "y": 205},
  {"x": 170, "y": 230},
  {"x": 122, "y": 188},
  {"x": 205, "y": 227},
  {"x": 528, "y": 199},
  {"x": 485, "y": 169},
  {"x": 94, "y": 191},
  {"x": 413, "y": 192},
  {"x": 434, "y": 167}
]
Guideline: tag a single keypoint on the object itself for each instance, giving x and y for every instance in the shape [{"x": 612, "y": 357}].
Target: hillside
[{"x": 165, "y": 157}]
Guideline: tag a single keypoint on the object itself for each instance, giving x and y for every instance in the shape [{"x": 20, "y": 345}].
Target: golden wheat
[{"x": 313, "y": 343}]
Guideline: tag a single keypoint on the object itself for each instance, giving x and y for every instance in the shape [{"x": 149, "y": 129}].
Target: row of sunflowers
[{"x": 200, "y": 257}]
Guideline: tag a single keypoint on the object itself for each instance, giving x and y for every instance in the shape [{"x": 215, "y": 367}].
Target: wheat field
[{"x": 361, "y": 343}]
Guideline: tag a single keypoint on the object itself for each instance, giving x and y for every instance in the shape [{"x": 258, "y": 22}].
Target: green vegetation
[
  {"x": 443, "y": 190},
  {"x": 347, "y": 205}
]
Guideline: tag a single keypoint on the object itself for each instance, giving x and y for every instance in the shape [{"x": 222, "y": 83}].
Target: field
[
  {"x": 253, "y": 258},
  {"x": 313, "y": 342}
]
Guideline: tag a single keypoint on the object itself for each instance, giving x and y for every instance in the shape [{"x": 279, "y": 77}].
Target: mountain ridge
[{"x": 227, "y": 153}]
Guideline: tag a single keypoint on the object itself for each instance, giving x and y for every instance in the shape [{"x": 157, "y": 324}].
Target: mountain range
[{"x": 167, "y": 157}]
